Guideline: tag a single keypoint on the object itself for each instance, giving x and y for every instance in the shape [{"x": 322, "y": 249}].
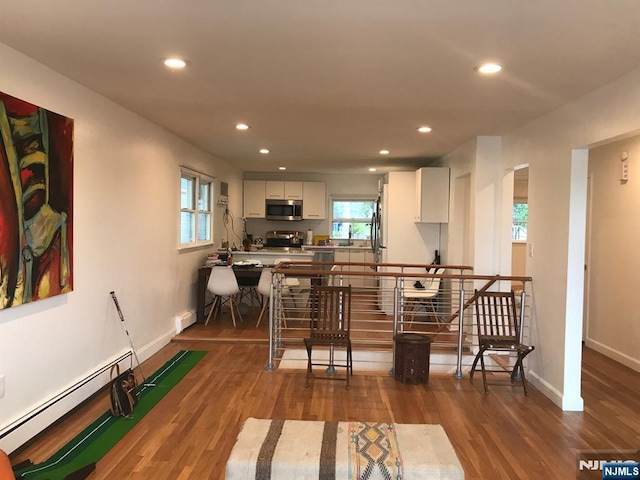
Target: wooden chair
[
  {"x": 330, "y": 327},
  {"x": 499, "y": 329}
]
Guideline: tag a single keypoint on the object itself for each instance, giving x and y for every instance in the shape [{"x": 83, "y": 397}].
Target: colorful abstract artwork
[{"x": 36, "y": 203}]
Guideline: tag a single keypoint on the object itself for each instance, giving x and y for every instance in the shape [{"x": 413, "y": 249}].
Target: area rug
[
  {"x": 363, "y": 360},
  {"x": 98, "y": 438},
  {"x": 286, "y": 449}
]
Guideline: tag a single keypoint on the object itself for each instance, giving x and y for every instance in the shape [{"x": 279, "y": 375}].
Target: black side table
[{"x": 411, "y": 362}]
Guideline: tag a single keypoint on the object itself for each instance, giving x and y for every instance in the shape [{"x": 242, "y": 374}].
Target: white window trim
[{"x": 187, "y": 172}]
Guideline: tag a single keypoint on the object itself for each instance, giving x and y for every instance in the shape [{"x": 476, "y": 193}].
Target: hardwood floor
[{"x": 503, "y": 435}]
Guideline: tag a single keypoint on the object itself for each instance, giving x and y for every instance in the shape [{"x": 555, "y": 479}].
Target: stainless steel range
[{"x": 284, "y": 240}]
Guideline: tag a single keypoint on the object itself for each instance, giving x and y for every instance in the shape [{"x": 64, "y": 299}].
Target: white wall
[
  {"x": 407, "y": 241},
  {"x": 554, "y": 148},
  {"x": 126, "y": 207},
  {"x": 613, "y": 260},
  {"x": 461, "y": 227}
]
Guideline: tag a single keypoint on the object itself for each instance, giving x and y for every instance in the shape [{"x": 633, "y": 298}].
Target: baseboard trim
[
  {"x": 632, "y": 363},
  {"x": 21, "y": 436},
  {"x": 567, "y": 404}
]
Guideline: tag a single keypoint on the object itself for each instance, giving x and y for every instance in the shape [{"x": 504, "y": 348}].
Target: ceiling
[{"x": 325, "y": 85}]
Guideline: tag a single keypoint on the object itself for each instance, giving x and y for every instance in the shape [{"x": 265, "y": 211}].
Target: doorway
[
  {"x": 612, "y": 256},
  {"x": 519, "y": 224}
]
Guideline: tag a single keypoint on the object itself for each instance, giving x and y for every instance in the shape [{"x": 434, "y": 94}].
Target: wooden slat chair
[
  {"x": 330, "y": 327},
  {"x": 499, "y": 331}
]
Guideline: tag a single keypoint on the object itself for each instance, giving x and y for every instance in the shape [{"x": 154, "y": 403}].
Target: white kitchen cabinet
[
  {"x": 341, "y": 255},
  {"x": 253, "y": 199},
  {"x": 370, "y": 281},
  {"x": 274, "y": 189},
  {"x": 280, "y": 190},
  {"x": 355, "y": 255},
  {"x": 314, "y": 195},
  {"x": 293, "y": 190},
  {"x": 432, "y": 195}
]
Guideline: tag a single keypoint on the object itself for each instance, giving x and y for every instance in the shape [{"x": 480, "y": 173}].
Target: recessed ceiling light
[
  {"x": 372, "y": 169},
  {"x": 242, "y": 126},
  {"x": 424, "y": 129},
  {"x": 264, "y": 150},
  {"x": 282, "y": 168},
  {"x": 489, "y": 68},
  {"x": 174, "y": 62},
  {"x": 384, "y": 152}
]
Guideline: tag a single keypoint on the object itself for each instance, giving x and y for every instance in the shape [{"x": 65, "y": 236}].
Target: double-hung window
[
  {"x": 196, "y": 209},
  {"x": 351, "y": 218}
]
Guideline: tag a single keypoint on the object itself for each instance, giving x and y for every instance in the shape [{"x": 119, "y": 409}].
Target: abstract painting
[{"x": 36, "y": 202}]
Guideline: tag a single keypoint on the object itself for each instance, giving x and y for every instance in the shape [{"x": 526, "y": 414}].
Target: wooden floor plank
[{"x": 503, "y": 435}]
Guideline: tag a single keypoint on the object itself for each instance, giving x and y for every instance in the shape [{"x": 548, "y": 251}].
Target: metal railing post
[
  {"x": 523, "y": 298},
  {"x": 458, "y": 373},
  {"x": 279, "y": 312},
  {"x": 270, "y": 366},
  {"x": 401, "y": 300},
  {"x": 395, "y": 326}
]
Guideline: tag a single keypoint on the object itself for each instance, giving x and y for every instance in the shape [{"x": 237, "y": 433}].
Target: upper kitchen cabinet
[
  {"x": 314, "y": 205},
  {"x": 432, "y": 195},
  {"x": 254, "y": 195},
  {"x": 281, "y": 190}
]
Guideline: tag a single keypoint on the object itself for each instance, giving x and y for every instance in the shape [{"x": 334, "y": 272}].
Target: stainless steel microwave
[{"x": 283, "y": 209}]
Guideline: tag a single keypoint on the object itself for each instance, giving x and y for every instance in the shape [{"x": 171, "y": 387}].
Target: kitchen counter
[
  {"x": 268, "y": 257},
  {"x": 335, "y": 247},
  {"x": 274, "y": 253}
]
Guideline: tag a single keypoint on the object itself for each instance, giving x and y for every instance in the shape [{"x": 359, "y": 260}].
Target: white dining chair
[
  {"x": 224, "y": 286},
  {"x": 422, "y": 292},
  {"x": 291, "y": 287},
  {"x": 264, "y": 289}
]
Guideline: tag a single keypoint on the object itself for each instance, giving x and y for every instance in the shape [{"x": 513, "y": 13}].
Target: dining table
[{"x": 247, "y": 275}]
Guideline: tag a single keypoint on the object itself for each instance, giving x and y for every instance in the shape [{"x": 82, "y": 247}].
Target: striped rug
[{"x": 287, "y": 449}]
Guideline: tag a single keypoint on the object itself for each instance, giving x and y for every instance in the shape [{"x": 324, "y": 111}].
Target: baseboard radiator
[{"x": 56, "y": 398}]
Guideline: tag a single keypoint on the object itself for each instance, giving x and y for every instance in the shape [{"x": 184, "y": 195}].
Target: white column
[
  {"x": 487, "y": 191},
  {"x": 571, "y": 398}
]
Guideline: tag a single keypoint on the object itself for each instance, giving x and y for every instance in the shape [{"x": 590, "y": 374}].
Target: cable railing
[{"x": 392, "y": 298}]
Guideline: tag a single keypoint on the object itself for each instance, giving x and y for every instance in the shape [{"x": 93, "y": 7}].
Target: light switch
[
  {"x": 530, "y": 246},
  {"x": 1, "y": 386},
  {"x": 624, "y": 171}
]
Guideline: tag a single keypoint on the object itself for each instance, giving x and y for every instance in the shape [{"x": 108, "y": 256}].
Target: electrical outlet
[
  {"x": 530, "y": 245},
  {"x": 1, "y": 386}
]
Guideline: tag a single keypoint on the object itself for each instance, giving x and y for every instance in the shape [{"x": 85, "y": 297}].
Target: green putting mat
[{"x": 99, "y": 437}]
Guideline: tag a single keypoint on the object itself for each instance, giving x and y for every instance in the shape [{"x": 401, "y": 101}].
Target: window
[
  {"x": 351, "y": 218},
  {"x": 520, "y": 219},
  {"x": 196, "y": 215}
]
